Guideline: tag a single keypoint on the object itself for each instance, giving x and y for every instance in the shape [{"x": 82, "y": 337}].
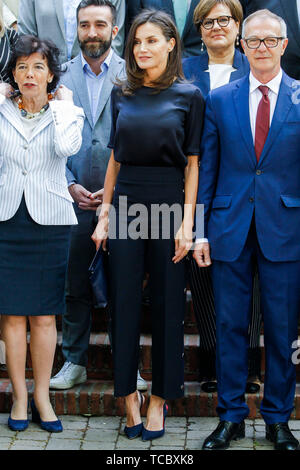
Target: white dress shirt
[
  {"x": 255, "y": 97},
  {"x": 70, "y": 7}
]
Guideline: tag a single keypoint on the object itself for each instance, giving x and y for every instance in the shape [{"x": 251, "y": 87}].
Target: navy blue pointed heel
[
  {"x": 17, "y": 424},
  {"x": 132, "y": 432},
  {"x": 149, "y": 435},
  {"x": 50, "y": 426}
]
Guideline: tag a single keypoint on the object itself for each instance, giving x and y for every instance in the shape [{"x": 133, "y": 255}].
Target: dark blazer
[
  {"x": 232, "y": 184},
  {"x": 194, "y": 69},
  {"x": 191, "y": 40},
  {"x": 287, "y": 9}
]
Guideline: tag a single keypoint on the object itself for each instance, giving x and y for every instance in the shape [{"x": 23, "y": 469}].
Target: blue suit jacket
[
  {"x": 191, "y": 40},
  {"x": 233, "y": 186},
  {"x": 88, "y": 166},
  {"x": 194, "y": 69}
]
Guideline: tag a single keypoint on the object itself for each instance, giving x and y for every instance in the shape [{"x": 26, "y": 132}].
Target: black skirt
[{"x": 33, "y": 264}]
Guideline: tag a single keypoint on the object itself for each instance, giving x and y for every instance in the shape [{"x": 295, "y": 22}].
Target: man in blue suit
[
  {"x": 250, "y": 187},
  {"x": 182, "y": 11}
]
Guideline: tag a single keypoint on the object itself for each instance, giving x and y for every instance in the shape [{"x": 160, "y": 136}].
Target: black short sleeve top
[{"x": 157, "y": 129}]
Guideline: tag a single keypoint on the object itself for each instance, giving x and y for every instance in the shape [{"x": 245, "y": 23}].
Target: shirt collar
[
  {"x": 106, "y": 63},
  {"x": 273, "y": 84}
]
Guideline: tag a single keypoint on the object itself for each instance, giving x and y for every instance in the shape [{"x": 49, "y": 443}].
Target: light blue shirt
[
  {"x": 70, "y": 7},
  {"x": 181, "y": 8},
  {"x": 298, "y": 6},
  {"x": 95, "y": 82}
]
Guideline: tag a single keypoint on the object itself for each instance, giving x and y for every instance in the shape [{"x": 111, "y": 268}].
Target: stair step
[
  {"x": 96, "y": 398},
  {"x": 100, "y": 364}
]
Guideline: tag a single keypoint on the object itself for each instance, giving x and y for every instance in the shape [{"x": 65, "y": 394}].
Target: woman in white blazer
[{"x": 38, "y": 131}]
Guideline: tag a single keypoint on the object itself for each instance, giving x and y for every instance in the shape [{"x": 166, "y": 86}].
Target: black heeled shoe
[
  {"x": 209, "y": 386},
  {"x": 253, "y": 385},
  {"x": 132, "y": 432}
]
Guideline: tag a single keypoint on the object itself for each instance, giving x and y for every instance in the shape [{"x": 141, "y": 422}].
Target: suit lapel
[
  {"x": 241, "y": 102},
  {"x": 283, "y": 106},
  {"x": 44, "y": 122},
  {"x": 204, "y": 76},
  {"x": 79, "y": 83},
  {"x": 107, "y": 85},
  {"x": 11, "y": 114},
  {"x": 240, "y": 66},
  {"x": 59, "y": 8},
  {"x": 168, "y": 7},
  {"x": 290, "y": 10},
  {"x": 189, "y": 19}
]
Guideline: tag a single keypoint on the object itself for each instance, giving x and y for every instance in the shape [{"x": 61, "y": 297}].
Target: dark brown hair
[
  {"x": 98, "y": 3},
  {"x": 27, "y": 45},
  {"x": 135, "y": 75},
  {"x": 205, "y": 6}
]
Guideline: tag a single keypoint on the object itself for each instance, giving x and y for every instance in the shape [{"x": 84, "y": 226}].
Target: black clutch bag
[{"x": 98, "y": 278}]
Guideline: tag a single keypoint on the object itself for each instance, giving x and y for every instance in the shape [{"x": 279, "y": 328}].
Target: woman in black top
[
  {"x": 152, "y": 172},
  {"x": 8, "y": 38}
]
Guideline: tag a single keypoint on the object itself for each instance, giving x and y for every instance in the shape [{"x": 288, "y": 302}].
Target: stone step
[
  {"x": 100, "y": 364},
  {"x": 96, "y": 398}
]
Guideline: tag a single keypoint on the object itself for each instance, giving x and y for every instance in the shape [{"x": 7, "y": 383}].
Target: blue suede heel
[
  {"x": 50, "y": 426},
  {"x": 17, "y": 424},
  {"x": 132, "y": 432},
  {"x": 149, "y": 435}
]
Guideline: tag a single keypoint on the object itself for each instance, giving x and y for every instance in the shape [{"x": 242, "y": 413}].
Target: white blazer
[{"x": 37, "y": 167}]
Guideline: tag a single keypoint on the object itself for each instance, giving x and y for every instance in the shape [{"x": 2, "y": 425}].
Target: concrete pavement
[{"x": 106, "y": 433}]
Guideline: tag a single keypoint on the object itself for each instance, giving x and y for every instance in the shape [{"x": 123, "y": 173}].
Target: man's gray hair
[{"x": 265, "y": 14}]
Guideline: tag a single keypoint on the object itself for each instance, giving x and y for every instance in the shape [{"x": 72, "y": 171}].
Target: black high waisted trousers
[{"x": 151, "y": 187}]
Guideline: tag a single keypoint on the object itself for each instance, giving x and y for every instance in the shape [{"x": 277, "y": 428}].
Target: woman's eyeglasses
[{"x": 223, "y": 21}]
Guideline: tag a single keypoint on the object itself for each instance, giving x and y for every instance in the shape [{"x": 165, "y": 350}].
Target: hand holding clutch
[{"x": 98, "y": 278}]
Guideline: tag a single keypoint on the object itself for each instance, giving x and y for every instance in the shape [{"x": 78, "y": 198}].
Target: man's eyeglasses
[
  {"x": 254, "y": 43},
  {"x": 223, "y": 21}
]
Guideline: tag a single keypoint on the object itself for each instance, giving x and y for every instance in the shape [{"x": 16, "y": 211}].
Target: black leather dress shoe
[
  {"x": 252, "y": 387},
  {"x": 209, "y": 386},
  {"x": 223, "y": 434},
  {"x": 281, "y": 436}
]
